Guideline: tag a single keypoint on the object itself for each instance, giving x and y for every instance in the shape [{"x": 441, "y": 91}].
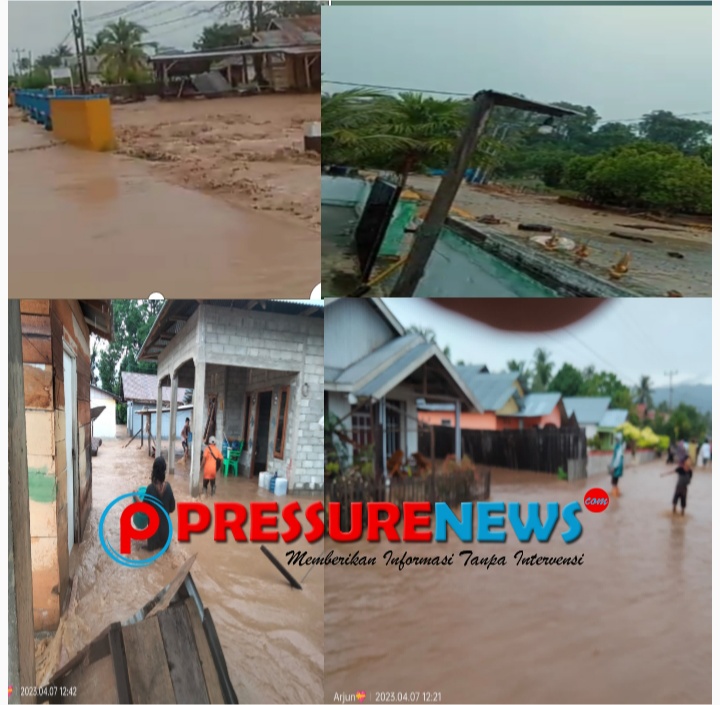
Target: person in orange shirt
[{"x": 211, "y": 461}]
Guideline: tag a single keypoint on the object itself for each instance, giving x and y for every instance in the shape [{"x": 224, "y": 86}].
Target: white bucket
[
  {"x": 264, "y": 480},
  {"x": 281, "y": 486}
]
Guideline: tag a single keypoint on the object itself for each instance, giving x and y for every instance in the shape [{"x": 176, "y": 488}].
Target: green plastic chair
[{"x": 233, "y": 460}]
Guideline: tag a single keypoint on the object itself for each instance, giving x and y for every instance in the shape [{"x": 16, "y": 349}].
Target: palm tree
[
  {"x": 520, "y": 367},
  {"x": 95, "y": 45},
  {"x": 346, "y": 117},
  {"x": 61, "y": 51},
  {"x": 643, "y": 392},
  {"x": 121, "y": 49},
  {"x": 543, "y": 370}
]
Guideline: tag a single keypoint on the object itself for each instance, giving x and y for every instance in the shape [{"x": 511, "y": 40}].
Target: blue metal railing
[{"x": 36, "y": 103}]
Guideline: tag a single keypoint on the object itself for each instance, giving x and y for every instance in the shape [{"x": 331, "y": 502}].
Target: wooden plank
[
  {"x": 148, "y": 670},
  {"x": 168, "y": 592},
  {"x": 212, "y": 681},
  {"x": 93, "y": 683},
  {"x": 219, "y": 658},
  {"x": 36, "y": 350},
  {"x": 38, "y": 383},
  {"x": 182, "y": 655},
  {"x": 35, "y": 306},
  {"x": 119, "y": 660},
  {"x": 35, "y": 325}
]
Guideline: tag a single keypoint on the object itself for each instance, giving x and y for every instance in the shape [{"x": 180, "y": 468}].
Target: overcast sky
[
  {"x": 39, "y": 27},
  {"x": 630, "y": 337},
  {"x": 624, "y": 61}
]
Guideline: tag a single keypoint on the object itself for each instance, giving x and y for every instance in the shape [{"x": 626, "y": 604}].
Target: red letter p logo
[{"x": 128, "y": 532}]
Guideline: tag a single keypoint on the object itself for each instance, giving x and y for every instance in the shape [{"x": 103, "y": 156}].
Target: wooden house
[{"x": 57, "y": 376}]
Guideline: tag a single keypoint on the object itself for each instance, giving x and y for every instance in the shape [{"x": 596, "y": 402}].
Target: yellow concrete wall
[{"x": 83, "y": 123}]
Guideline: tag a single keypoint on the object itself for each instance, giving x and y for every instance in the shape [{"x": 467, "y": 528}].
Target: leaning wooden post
[
  {"x": 429, "y": 232},
  {"x": 293, "y": 583}
]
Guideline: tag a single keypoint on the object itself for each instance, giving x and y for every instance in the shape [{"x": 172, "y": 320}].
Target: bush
[{"x": 655, "y": 177}]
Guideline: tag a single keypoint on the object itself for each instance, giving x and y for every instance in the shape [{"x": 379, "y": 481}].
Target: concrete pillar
[
  {"x": 21, "y": 644},
  {"x": 458, "y": 433},
  {"x": 158, "y": 421},
  {"x": 173, "y": 422},
  {"x": 198, "y": 426}
]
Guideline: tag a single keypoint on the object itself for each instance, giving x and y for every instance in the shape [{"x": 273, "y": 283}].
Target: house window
[
  {"x": 393, "y": 426},
  {"x": 281, "y": 425},
  {"x": 446, "y": 422},
  {"x": 362, "y": 431}
]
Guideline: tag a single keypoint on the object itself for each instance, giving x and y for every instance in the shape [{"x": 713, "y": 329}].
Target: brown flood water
[
  {"x": 272, "y": 635},
  {"x": 137, "y": 234},
  {"x": 631, "y": 625}
]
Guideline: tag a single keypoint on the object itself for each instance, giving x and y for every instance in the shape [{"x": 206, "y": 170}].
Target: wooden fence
[
  {"x": 535, "y": 449},
  {"x": 452, "y": 488}
]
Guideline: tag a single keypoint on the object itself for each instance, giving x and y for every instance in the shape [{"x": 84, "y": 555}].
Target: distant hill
[{"x": 697, "y": 395}]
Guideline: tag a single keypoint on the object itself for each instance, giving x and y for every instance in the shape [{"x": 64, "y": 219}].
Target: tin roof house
[
  {"x": 255, "y": 368},
  {"x": 376, "y": 375}
]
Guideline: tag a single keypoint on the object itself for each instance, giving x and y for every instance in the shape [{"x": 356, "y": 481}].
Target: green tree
[
  {"x": 542, "y": 370},
  {"x": 132, "y": 321},
  {"x": 568, "y": 381},
  {"x": 217, "y": 36},
  {"x": 122, "y": 50},
  {"x": 664, "y": 127},
  {"x": 524, "y": 373}
]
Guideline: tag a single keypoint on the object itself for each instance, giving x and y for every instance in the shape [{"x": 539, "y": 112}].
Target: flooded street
[
  {"x": 272, "y": 635},
  {"x": 141, "y": 232},
  {"x": 632, "y": 624}
]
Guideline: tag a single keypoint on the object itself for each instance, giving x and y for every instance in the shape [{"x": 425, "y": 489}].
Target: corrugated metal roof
[
  {"x": 587, "y": 409},
  {"x": 396, "y": 372},
  {"x": 613, "y": 418},
  {"x": 140, "y": 387},
  {"x": 378, "y": 360},
  {"x": 492, "y": 390},
  {"x": 539, "y": 404}
]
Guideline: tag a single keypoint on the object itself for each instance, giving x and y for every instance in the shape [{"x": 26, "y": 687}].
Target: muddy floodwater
[
  {"x": 210, "y": 198},
  {"x": 632, "y": 624},
  {"x": 272, "y": 635}
]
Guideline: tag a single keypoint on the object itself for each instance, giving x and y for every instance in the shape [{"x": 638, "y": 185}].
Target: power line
[
  {"x": 125, "y": 10},
  {"x": 467, "y": 95}
]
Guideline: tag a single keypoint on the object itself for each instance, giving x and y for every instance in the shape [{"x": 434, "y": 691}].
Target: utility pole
[
  {"x": 671, "y": 375},
  {"x": 76, "y": 35},
  {"x": 429, "y": 232},
  {"x": 81, "y": 31}
]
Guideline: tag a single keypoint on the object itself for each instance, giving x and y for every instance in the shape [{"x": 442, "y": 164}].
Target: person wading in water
[
  {"x": 162, "y": 492},
  {"x": 616, "y": 465}
]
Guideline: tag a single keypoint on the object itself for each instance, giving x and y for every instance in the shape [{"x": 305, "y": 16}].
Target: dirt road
[
  {"x": 272, "y": 635},
  {"x": 247, "y": 150},
  {"x": 630, "y": 625},
  {"x": 677, "y": 258}
]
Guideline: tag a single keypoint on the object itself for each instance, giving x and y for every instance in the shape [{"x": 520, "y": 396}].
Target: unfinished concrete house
[
  {"x": 256, "y": 371},
  {"x": 56, "y": 370}
]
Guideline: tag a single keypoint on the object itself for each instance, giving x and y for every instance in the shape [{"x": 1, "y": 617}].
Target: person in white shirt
[{"x": 705, "y": 454}]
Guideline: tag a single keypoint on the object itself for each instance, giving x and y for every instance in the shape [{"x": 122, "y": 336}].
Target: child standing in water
[{"x": 684, "y": 473}]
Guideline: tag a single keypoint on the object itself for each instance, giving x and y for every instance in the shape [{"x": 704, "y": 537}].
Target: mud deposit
[
  {"x": 652, "y": 266},
  {"x": 630, "y": 625},
  {"x": 248, "y": 150},
  {"x": 272, "y": 635}
]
